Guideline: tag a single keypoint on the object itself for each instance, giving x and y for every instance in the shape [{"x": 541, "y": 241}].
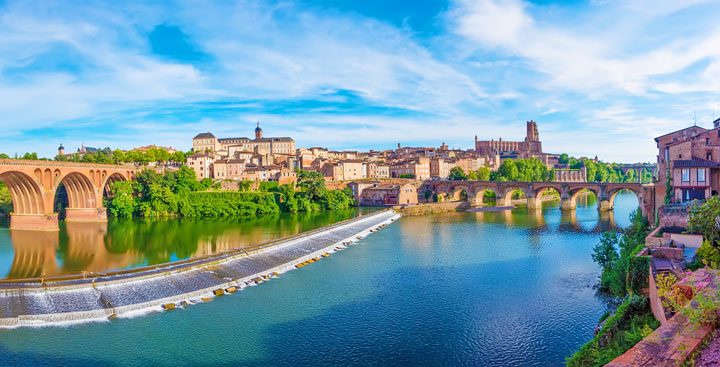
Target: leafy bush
[{"x": 631, "y": 322}]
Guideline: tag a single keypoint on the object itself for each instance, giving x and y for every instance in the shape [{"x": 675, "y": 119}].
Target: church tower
[
  {"x": 61, "y": 150},
  {"x": 258, "y": 132},
  {"x": 532, "y": 131}
]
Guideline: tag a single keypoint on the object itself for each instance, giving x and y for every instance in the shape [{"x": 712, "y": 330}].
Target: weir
[{"x": 75, "y": 299}]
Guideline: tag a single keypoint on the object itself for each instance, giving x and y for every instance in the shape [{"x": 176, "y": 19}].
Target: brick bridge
[
  {"x": 33, "y": 186},
  {"x": 533, "y": 191}
]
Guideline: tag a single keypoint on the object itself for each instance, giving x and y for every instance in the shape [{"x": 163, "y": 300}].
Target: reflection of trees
[{"x": 100, "y": 247}]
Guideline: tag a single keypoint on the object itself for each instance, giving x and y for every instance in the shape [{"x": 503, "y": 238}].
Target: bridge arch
[
  {"x": 27, "y": 197},
  {"x": 505, "y": 197},
  {"x": 460, "y": 193},
  {"x": 111, "y": 179},
  {"x": 477, "y": 196},
  {"x": 613, "y": 193},
  {"x": 536, "y": 200},
  {"x": 573, "y": 194},
  {"x": 80, "y": 190}
]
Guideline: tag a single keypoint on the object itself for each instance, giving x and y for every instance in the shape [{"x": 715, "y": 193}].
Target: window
[
  {"x": 686, "y": 175},
  {"x": 667, "y": 154},
  {"x": 709, "y": 156},
  {"x": 701, "y": 175}
]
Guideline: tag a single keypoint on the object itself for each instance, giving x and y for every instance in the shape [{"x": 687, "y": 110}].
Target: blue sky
[{"x": 601, "y": 77}]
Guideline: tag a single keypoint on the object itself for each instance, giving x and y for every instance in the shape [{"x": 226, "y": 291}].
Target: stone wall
[{"x": 431, "y": 208}]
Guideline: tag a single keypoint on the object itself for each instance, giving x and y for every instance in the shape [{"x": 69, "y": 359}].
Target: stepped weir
[{"x": 82, "y": 298}]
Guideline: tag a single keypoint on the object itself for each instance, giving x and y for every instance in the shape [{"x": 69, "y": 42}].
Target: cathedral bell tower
[{"x": 258, "y": 132}]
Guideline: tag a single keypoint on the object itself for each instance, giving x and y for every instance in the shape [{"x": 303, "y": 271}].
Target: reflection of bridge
[
  {"x": 33, "y": 186},
  {"x": 474, "y": 192}
]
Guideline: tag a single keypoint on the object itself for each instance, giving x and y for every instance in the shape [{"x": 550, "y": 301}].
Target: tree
[
  {"x": 122, "y": 199},
  {"x": 564, "y": 159},
  {"x": 30, "y": 156},
  {"x": 705, "y": 220},
  {"x": 4, "y": 156},
  {"x": 605, "y": 253},
  {"x": 457, "y": 174},
  {"x": 483, "y": 174},
  {"x": 312, "y": 184}
]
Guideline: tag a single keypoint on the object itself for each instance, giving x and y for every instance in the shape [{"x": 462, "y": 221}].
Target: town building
[
  {"x": 373, "y": 193},
  {"x": 258, "y": 159},
  {"x": 689, "y": 164},
  {"x": 531, "y": 147}
]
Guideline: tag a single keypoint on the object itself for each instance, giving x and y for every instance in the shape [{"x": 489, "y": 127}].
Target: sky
[{"x": 600, "y": 77}]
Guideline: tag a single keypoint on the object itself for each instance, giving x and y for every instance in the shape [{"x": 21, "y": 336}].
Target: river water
[{"x": 488, "y": 289}]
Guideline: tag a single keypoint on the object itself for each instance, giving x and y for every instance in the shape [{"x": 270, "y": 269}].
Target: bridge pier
[
  {"x": 567, "y": 203},
  {"x": 605, "y": 206},
  {"x": 534, "y": 203},
  {"x": 34, "y": 222},
  {"x": 501, "y": 200},
  {"x": 86, "y": 215}
]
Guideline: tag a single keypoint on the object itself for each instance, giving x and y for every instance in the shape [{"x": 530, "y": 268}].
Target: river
[{"x": 490, "y": 289}]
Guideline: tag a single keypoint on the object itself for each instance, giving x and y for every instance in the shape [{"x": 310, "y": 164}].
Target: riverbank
[{"x": 75, "y": 299}]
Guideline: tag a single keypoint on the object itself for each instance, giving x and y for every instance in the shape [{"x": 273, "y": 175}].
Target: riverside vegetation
[
  {"x": 624, "y": 275},
  {"x": 179, "y": 194}
]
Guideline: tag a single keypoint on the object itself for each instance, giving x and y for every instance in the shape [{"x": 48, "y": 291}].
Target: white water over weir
[{"x": 65, "y": 300}]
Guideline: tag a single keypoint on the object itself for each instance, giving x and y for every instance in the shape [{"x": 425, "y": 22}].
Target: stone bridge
[
  {"x": 474, "y": 191},
  {"x": 33, "y": 186}
]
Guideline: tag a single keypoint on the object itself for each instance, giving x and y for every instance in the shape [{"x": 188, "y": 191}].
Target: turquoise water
[{"x": 488, "y": 289}]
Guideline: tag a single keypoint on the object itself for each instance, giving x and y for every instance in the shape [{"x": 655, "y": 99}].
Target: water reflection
[{"x": 102, "y": 247}]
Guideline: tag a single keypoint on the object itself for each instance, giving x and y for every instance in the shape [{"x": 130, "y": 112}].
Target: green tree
[
  {"x": 122, "y": 202},
  {"x": 705, "y": 220},
  {"x": 483, "y": 174},
  {"x": 564, "y": 159},
  {"x": 312, "y": 184},
  {"x": 457, "y": 174},
  {"x": 605, "y": 253},
  {"x": 4, "y": 156}
]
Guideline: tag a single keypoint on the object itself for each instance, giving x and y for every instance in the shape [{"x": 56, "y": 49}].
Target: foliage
[
  {"x": 458, "y": 174},
  {"x": 122, "y": 201},
  {"x": 526, "y": 170},
  {"x": 5, "y": 200},
  {"x": 631, "y": 322},
  {"x": 672, "y": 298},
  {"x": 704, "y": 308},
  {"x": 638, "y": 270},
  {"x": 179, "y": 194},
  {"x": 407, "y": 175},
  {"x": 141, "y": 157},
  {"x": 4, "y": 156},
  {"x": 605, "y": 253},
  {"x": 598, "y": 171},
  {"x": 622, "y": 271},
  {"x": 708, "y": 255},
  {"x": 704, "y": 220},
  {"x": 669, "y": 192}
]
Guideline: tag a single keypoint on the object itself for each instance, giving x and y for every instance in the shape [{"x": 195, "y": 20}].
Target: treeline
[
  {"x": 526, "y": 170},
  {"x": 534, "y": 170},
  {"x": 598, "y": 171},
  {"x": 117, "y": 156},
  {"x": 178, "y": 194},
  {"x": 29, "y": 156}
]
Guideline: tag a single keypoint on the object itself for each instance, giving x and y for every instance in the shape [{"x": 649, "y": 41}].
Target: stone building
[
  {"x": 202, "y": 164},
  {"x": 417, "y": 168},
  {"x": 207, "y": 142},
  {"x": 375, "y": 194},
  {"x": 689, "y": 160},
  {"x": 531, "y": 147}
]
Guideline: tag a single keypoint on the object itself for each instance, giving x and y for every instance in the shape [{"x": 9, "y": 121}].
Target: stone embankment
[
  {"x": 73, "y": 299},
  {"x": 432, "y": 208}
]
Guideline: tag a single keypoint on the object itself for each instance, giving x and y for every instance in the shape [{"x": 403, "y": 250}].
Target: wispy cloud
[{"x": 132, "y": 73}]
